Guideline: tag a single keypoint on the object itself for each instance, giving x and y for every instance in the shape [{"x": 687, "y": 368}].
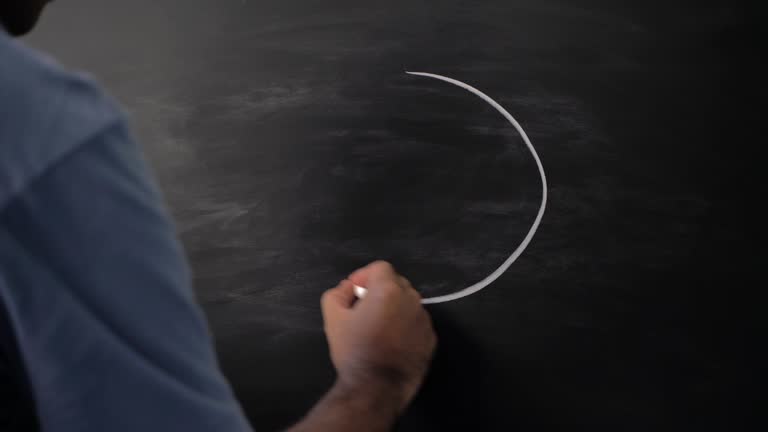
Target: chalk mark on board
[{"x": 519, "y": 250}]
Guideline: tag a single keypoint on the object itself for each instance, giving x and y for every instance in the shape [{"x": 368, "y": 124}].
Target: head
[{"x": 20, "y": 16}]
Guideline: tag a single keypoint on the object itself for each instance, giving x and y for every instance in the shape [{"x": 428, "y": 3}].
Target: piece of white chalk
[{"x": 360, "y": 292}]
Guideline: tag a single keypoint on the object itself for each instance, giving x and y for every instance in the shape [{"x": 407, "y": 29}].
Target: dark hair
[{"x": 20, "y": 16}]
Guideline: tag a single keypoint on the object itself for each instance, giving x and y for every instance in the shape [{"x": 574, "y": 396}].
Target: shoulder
[{"x": 46, "y": 112}]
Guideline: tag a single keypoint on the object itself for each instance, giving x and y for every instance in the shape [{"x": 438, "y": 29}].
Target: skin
[{"x": 381, "y": 346}]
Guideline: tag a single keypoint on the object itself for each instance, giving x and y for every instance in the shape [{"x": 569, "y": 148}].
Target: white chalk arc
[{"x": 517, "y": 252}]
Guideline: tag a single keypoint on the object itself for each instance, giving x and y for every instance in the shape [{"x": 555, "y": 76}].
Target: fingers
[
  {"x": 381, "y": 279},
  {"x": 373, "y": 271},
  {"x": 340, "y": 297},
  {"x": 380, "y": 271}
]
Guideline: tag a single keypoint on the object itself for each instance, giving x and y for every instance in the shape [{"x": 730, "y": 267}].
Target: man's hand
[
  {"x": 381, "y": 347},
  {"x": 385, "y": 339}
]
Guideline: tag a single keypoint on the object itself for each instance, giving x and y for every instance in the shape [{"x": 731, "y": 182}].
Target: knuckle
[
  {"x": 383, "y": 266},
  {"x": 416, "y": 295},
  {"x": 389, "y": 288},
  {"x": 405, "y": 282},
  {"x": 326, "y": 297}
]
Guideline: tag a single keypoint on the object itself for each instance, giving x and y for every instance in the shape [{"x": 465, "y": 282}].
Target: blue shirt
[{"x": 100, "y": 326}]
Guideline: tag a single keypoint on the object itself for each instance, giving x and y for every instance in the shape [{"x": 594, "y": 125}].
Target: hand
[{"x": 383, "y": 342}]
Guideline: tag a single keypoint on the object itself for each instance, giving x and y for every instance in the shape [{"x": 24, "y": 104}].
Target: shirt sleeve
[{"x": 99, "y": 295}]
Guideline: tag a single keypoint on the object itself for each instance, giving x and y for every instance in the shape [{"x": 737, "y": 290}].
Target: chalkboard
[{"x": 292, "y": 148}]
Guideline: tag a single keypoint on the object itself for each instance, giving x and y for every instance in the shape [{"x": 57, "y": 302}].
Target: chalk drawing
[{"x": 360, "y": 291}]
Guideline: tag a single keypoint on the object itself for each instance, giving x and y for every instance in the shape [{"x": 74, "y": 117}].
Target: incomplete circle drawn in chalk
[{"x": 517, "y": 252}]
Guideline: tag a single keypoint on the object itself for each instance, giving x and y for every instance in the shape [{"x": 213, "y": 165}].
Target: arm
[
  {"x": 371, "y": 406},
  {"x": 99, "y": 294},
  {"x": 381, "y": 348}
]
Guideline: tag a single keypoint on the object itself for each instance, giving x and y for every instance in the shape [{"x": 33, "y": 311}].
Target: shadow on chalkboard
[{"x": 455, "y": 395}]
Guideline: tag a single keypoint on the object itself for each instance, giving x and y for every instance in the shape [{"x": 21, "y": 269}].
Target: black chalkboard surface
[{"x": 292, "y": 148}]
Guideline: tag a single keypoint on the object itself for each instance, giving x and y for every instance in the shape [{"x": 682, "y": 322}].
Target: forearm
[
  {"x": 373, "y": 406},
  {"x": 381, "y": 348}
]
